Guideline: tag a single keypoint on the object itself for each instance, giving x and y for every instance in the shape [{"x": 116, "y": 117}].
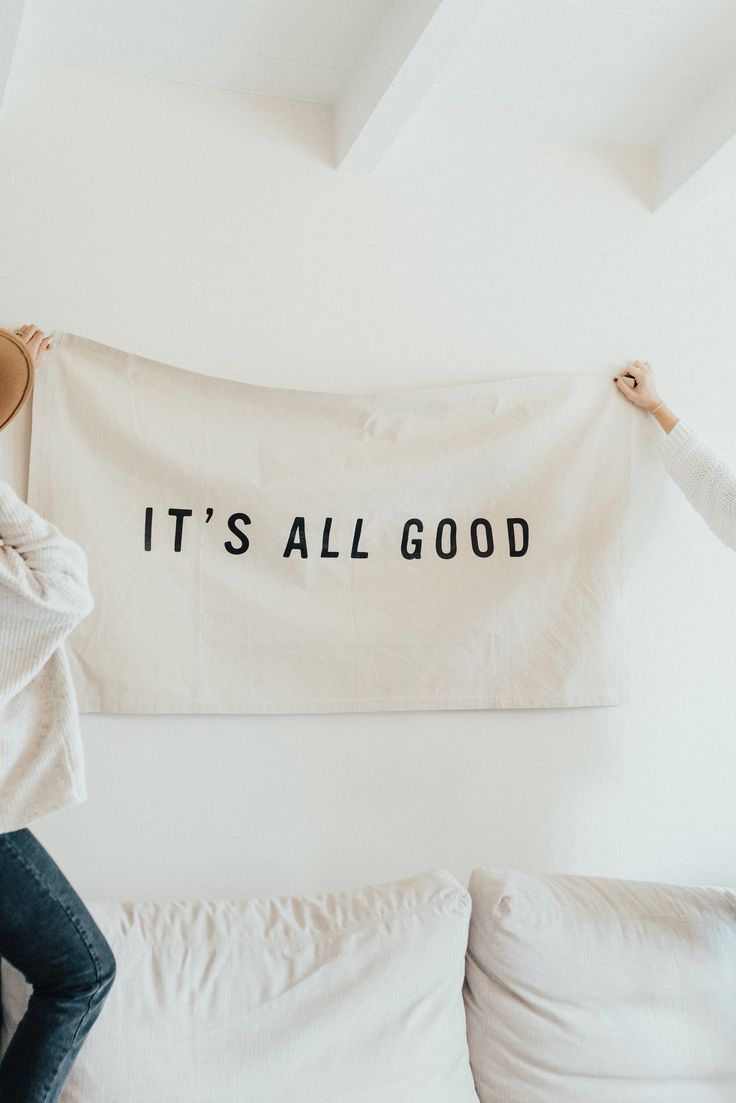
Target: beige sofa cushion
[
  {"x": 351, "y": 997},
  {"x": 592, "y": 990}
]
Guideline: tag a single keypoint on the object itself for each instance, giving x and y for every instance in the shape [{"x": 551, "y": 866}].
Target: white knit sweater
[
  {"x": 43, "y": 596},
  {"x": 705, "y": 479}
]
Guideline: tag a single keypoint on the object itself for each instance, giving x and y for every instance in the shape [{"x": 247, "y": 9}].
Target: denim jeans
[{"x": 47, "y": 933}]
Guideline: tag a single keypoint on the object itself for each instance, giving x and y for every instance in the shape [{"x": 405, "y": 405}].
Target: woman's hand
[
  {"x": 641, "y": 390},
  {"x": 36, "y": 341}
]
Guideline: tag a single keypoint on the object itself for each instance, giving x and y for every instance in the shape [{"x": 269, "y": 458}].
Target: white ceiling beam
[
  {"x": 402, "y": 60},
  {"x": 11, "y": 13},
  {"x": 700, "y": 153}
]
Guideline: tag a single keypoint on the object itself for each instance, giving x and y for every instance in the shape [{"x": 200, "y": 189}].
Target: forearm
[
  {"x": 705, "y": 479},
  {"x": 665, "y": 416}
]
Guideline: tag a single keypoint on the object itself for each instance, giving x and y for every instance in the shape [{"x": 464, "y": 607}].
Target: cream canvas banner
[{"x": 259, "y": 549}]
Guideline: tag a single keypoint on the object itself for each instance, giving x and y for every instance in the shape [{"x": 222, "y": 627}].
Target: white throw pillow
[
  {"x": 593, "y": 990},
  {"x": 353, "y": 997}
]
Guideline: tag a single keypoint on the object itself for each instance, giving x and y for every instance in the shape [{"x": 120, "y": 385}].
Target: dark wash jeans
[{"x": 47, "y": 933}]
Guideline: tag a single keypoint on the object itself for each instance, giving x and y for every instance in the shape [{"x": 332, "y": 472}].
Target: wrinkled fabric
[
  {"x": 348, "y": 997},
  {"x": 259, "y": 549},
  {"x": 595, "y": 989}
]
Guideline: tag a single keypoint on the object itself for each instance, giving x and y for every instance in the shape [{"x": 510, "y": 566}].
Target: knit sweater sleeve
[
  {"x": 705, "y": 479},
  {"x": 43, "y": 591},
  {"x": 40, "y": 565}
]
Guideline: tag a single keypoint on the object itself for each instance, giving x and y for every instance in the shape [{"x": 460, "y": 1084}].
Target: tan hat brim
[{"x": 16, "y": 375}]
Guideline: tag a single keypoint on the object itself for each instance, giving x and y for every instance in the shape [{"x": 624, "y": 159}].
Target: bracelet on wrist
[{"x": 653, "y": 409}]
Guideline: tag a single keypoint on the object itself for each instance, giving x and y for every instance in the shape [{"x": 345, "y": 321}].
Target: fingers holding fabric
[
  {"x": 638, "y": 384},
  {"x": 36, "y": 340}
]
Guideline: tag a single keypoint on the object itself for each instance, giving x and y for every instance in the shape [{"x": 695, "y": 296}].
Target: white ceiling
[
  {"x": 657, "y": 75},
  {"x": 621, "y": 72},
  {"x": 300, "y": 49},
  {"x": 611, "y": 72}
]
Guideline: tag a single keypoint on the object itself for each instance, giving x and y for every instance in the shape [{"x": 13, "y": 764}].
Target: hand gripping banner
[{"x": 270, "y": 550}]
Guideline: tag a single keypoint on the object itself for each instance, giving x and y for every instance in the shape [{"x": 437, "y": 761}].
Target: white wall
[{"x": 207, "y": 228}]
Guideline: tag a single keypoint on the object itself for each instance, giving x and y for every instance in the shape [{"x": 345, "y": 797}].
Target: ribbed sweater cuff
[{"x": 675, "y": 444}]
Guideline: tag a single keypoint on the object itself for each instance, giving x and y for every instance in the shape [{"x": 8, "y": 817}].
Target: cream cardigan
[
  {"x": 704, "y": 478},
  {"x": 43, "y": 596}
]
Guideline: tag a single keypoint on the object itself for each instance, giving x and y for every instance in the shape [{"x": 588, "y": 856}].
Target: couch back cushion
[
  {"x": 352, "y": 997},
  {"x": 585, "y": 988}
]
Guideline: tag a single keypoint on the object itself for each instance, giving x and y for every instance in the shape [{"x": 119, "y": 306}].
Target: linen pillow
[
  {"x": 352, "y": 997},
  {"x": 585, "y": 988}
]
